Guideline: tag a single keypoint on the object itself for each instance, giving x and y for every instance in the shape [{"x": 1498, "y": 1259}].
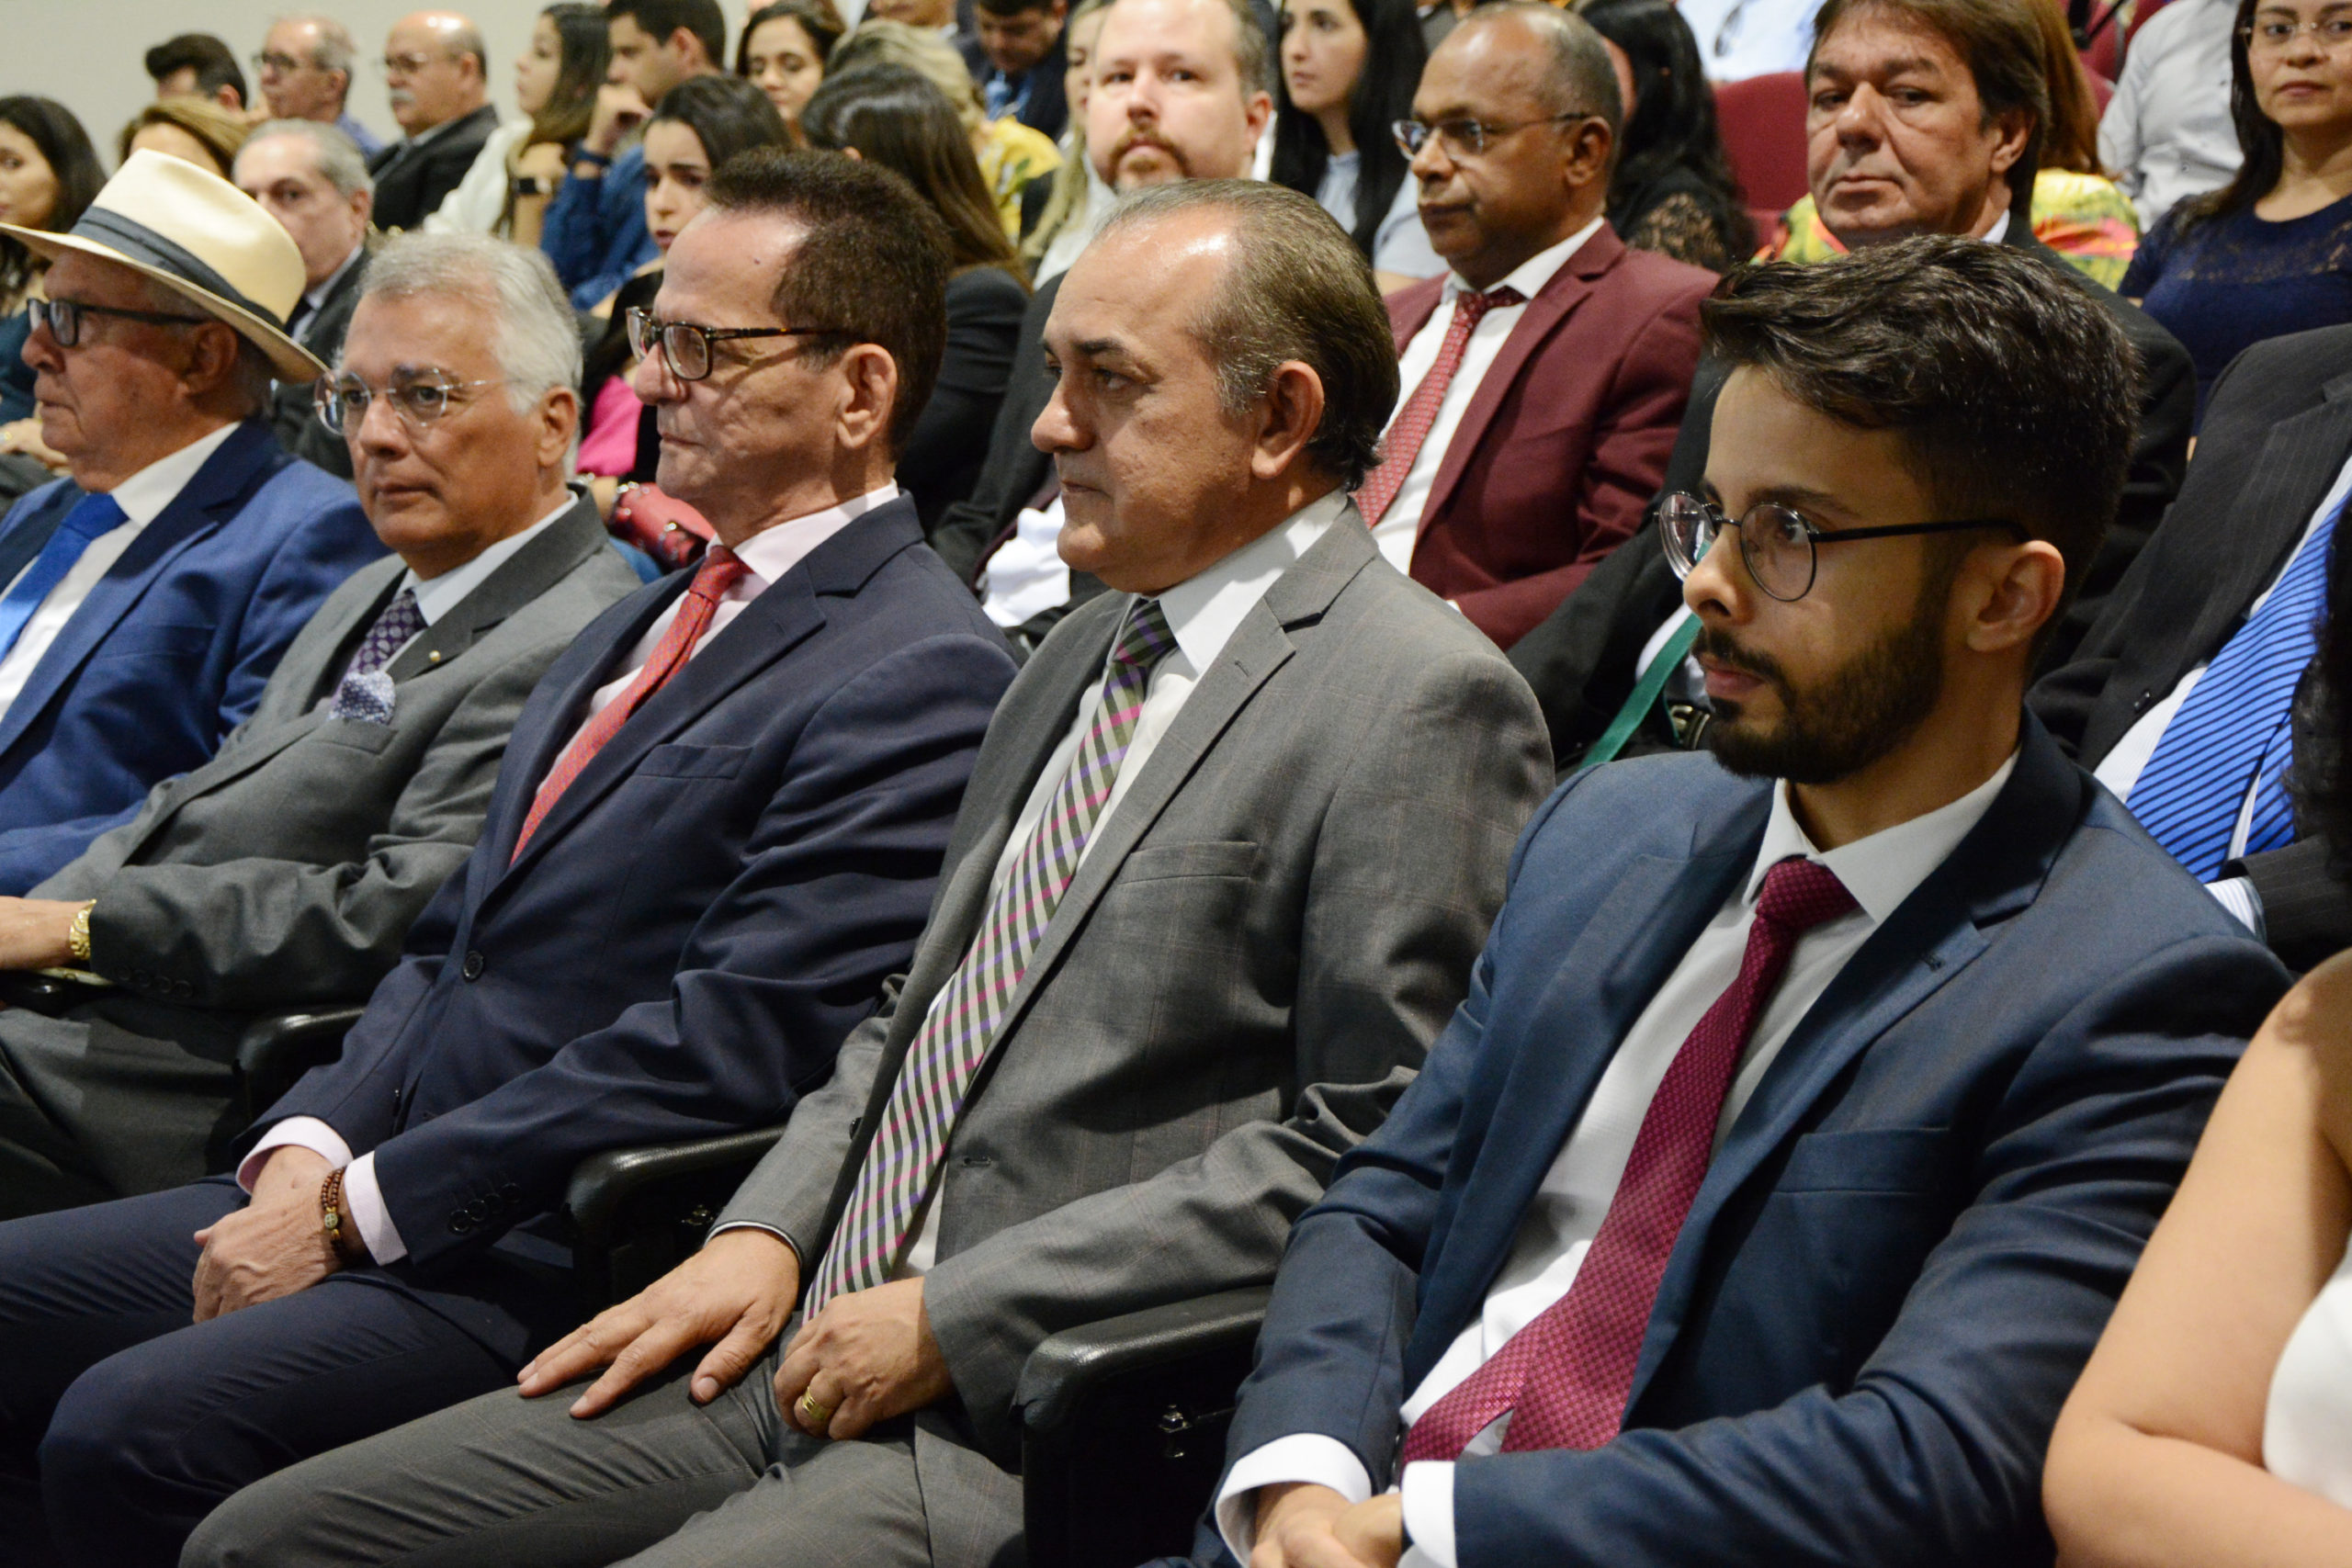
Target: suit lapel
[
  {"x": 33, "y": 530},
  {"x": 2301, "y": 460},
  {"x": 539, "y": 565}
]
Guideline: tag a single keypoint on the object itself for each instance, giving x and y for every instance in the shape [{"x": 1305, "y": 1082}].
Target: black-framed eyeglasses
[
  {"x": 1779, "y": 544},
  {"x": 1465, "y": 137},
  {"x": 686, "y": 347},
  {"x": 63, "y": 318},
  {"x": 417, "y": 399}
]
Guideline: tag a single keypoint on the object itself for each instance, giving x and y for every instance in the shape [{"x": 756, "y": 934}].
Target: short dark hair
[
  {"x": 1013, "y": 7},
  {"x": 872, "y": 261},
  {"x": 659, "y": 18},
  {"x": 1998, "y": 40},
  {"x": 727, "y": 114},
  {"x": 1297, "y": 288},
  {"x": 2015, "y": 394},
  {"x": 215, "y": 65},
  {"x": 1581, "y": 79}
]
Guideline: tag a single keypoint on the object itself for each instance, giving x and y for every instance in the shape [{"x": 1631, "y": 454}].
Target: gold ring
[{"x": 819, "y": 1416}]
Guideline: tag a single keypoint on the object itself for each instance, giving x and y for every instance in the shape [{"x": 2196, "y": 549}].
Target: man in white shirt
[
  {"x": 1813, "y": 1099},
  {"x": 1739, "y": 39},
  {"x": 2167, "y": 131},
  {"x": 1202, "y": 919},
  {"x": 315, "y": 183}
]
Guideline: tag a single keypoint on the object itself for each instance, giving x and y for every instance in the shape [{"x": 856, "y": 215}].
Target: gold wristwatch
[{"x": 78, "y": 934}]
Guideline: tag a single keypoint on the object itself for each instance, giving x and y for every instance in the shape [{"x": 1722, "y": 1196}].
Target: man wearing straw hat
[{"x": 149, "y": 595}]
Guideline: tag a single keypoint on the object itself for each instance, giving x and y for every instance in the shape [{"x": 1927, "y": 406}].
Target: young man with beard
[{"x": 1813, "y": 1099}]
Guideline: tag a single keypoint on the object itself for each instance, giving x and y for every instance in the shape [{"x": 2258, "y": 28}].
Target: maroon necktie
[
  {"x": 1564, "y": 1376},
  {"x": 1402, "y": 446}
]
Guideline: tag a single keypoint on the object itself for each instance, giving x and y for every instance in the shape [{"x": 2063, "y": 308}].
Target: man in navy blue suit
[
  {"x": 145, "y": 601},
  {"x": 1811, "y": 1099},
  {"x": 715, "y": 833}
]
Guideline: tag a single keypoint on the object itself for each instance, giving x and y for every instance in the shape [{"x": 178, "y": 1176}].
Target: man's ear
[
  {"x": 559, "y": 423},
  {"x": 870, "y": 378},
  {"x": 2015, "y": 129},
  {"x": 1290, "y": 411},
  {"x": 212, "y": 351},
  {"x": 2020, "y": 594}
]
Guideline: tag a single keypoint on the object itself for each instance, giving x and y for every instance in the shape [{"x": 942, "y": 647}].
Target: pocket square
[{"x": 364, "y": 699}]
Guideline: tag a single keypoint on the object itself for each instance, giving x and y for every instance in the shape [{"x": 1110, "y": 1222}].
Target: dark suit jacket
[
  {"x": 1564, "y": 441},
  {"x": 1580, "y": 660},
  {"x": 710, "y": 906},
  {"x": 2278, "y": 431},
  {"x": 294, "y": 413},
  {"x": 411, "y": 181},
  {"x": 171, "y": 649},
  {"x": 1903, "y": 1251},
  {"x": 950, "y": 440},
  {"x": 1048, "y": 109}
]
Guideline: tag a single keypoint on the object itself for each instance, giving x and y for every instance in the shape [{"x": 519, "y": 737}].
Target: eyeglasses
[
  {"x": 410, "y": 64},
  {"x": 1465, "y": 137},
  {"x": 2276, "y": 35},
  {"x": 63, "y": 318},
  {"x": 417, "y": 399},
  {"x": 1777, "y": 543},
  {"x": 285, "y": 64},
  {"x": 685, "y": 348}
]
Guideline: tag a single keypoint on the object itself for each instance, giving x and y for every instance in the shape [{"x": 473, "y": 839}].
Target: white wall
[{"x": 85, "y": 54}]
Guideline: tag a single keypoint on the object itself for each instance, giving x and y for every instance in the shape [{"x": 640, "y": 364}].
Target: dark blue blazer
[
  {"x": 170, "y": 651},
  {"x": 711, "y": 905},
  {"x": 1906, "y": 1247}
]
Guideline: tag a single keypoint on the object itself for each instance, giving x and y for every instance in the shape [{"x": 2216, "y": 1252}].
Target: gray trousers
[{"x": 659, "y": 1481}]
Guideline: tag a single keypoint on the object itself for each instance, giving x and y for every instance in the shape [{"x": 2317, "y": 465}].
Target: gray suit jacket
[
  {"x": 1272, "y": 929},
  {"x": 287, "y": 869}
]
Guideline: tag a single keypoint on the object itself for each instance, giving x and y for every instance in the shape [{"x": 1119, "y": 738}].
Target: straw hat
[{"x": 202, "y": 238}]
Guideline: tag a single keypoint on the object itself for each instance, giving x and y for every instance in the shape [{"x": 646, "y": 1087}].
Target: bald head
[
  {"x": 1554, "y": 55},
  {"x": 437, "y": 68}
]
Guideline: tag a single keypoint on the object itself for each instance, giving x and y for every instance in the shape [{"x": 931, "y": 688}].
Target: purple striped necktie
[{"x": 903, "y": 1161}]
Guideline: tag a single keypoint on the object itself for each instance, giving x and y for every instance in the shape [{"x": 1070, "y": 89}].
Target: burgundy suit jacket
[{"x": 1567, "y": 439}]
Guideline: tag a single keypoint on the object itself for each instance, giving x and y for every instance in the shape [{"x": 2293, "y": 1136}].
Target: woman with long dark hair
[
  {"x": 2271, "y": 252},
  {"x": 510, "y": 183},
  {"x": 1349, "y": 70},
  {"x": 893, "y": 115},
  {"x": 783, "y": 51},
  {"x": 1673, "y": 191},
  {"x": 49, "y": 174}
]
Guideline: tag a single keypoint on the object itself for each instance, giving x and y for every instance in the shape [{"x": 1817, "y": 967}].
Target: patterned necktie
[
  {"x": 1565, "y": 1376},
  {"x": 92, "y": 515},
  {"x": 721, "y": 569},
  {"x": 364, "y": 692},
  {"x": 898, "y": 1170},
  {"x": 1402, "y": 446},
  {"x": 2233, "y": 734}
]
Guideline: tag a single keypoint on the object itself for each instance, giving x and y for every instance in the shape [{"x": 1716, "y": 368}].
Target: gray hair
[
  {"x": 1581, "y": 80},
  {"x": 335, "y": 51},
  {"x": 337, "y": 156},
  {"x": 538, "y": 337},
  {"x": 1297, "y": 288}
]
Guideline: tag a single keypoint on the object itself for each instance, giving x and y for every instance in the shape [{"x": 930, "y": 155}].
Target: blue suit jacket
[
  {"x": 170, "y": 651},
  {"x": 1905, "y": 1248},
  {"x": 710, "y": 906}
]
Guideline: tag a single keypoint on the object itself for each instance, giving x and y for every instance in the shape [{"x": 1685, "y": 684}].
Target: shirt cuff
[
  {"x": 295, "y": 1131},
  {"x": 2239, "y": 896},
  {"x": 366, "y": 1201},
  {"x": 1303, "y": 1456},
  {"x": 1429, "y": 1514}
]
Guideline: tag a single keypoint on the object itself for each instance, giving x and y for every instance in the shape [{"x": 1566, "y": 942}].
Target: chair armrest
[
  {"x": 602, "y": 1184},
  {"x": 279, "y": 1048},
  {"x": 634, "y": 1215},
  {"x": 1068, "y": 1366}
]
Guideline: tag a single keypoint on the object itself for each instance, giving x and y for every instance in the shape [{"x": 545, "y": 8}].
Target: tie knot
[
  {"x": 1146, "y": 638},
  {"x": 1801, "y": 894},
  {"x": 721, "y": 569},
  {"x": 1473, "y": 305}
]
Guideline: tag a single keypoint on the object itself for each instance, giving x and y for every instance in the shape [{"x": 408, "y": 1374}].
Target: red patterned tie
[
  {"x": 1402, "y": 446},
  {"x": 1565, "y": 1377},
  {"x": 719, "y": 571}
]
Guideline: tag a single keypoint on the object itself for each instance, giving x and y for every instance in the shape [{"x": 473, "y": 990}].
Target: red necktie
[
  {"x": 1565, "y": 1377},
  {"x": 1402, "y": 446},
  {"x": 720, "y": 570}
]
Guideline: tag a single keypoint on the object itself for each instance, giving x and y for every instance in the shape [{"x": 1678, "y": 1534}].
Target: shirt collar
[
  {"x": 436, "y": 597},
  {"x": 144, "y": 494},
  {"x": 1531, "y": 275},
  {"x": 1204, "y": 609},
  {"x": 773, "y": 551},
  {"x": 1999, "y": 231},
  {"x": 1883, "y": 869},
  {"x": 314, "y": 298}
]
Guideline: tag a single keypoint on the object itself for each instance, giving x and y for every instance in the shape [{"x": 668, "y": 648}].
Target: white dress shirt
[
  {"x": 1739, "y": 39},
  {"x": 1558, "y": 1227},
  {"x": 2167, "y": 130},
  {"x": 769, "y": 554},
  {"x": 1401, "y": 524},
  {"x": 1027, "y": 576},
  {"x": 142, "y": 498}
]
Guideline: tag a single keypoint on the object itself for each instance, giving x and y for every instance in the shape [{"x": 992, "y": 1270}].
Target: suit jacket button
[
  {"x": 461, "y": 1225},
  {"x": 471, "y": 968},
  {"x": 2144, "y": 700}
]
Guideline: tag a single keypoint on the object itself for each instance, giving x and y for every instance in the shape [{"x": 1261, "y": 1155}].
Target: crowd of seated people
[{"x": 1171, "y": 648}]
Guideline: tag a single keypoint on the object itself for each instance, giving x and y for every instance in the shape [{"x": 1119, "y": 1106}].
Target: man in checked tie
[
  {"x": 1231, "y": 846},
  {"x": 1814, "y": 1098}
]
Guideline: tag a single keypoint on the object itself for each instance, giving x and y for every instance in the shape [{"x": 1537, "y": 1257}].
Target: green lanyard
[{"x": 1645, "y": 691}]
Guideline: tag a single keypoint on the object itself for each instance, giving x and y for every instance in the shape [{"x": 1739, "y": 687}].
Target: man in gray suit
[
  {"x": 286, "y": 871},
  {"x": 1231, "y": 847}
]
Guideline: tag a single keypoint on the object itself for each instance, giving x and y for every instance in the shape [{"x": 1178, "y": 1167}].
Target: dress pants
[
  {"x": 122, "y": 1422},
  {"x": 657, "y": 1482}
]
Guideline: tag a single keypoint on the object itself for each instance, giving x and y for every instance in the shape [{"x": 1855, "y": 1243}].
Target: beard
[{"x": 1848, "y": 720}]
